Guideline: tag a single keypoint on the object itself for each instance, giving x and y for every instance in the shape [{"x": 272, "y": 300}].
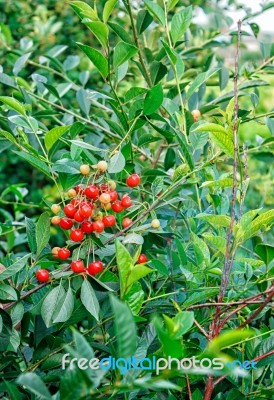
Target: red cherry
[
  {"x": 104, "y": 188},
  {"x": 77, "y": 235},
  {"x": 127, "y": 222},
  {"x": 63, "y": 253},
  {"x": 95, "y": 267},
  {"x": 98, "y": 226},
  {"x": 126, "y": 201},
  {"x": 92, "y": 192},
  {"x": 42, "y": 275},
  {"x": 142, "y": 259},
  {"x": 109, "y": 220},
  {"x": 70, "y": 210},
  {"x": 117, "y": 206},
  {"x": 75, "y": 202},
  {"x": 66, "y": 223},
  {"x": 85, "y": 210},
  {"x": 78, "y": 217},
  {"x": 113, "y": 195},
  {"x": 79, "y": 189},
  {"x": 133, "y": 180},
  {"x": 87, "y": 227},
  {"x": 77, "y": 266}
]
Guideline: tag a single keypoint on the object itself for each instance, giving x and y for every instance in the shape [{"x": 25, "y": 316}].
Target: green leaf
[
  {"x": 88, "y": 146},
  {"x": 50, "y": 303},
  {"x": 35, "y": 385},
  {"x": 121, "y": 32},
  {"x": 219, "y": 136},
  {"x": 138, "y": 272},
  {"x": 13, "y": 104},
  {"x": 83, "y": 10},
  {"x": 202, "y": 295},
  {"x": 100, "y": 61},
  {"x": 35, "y": 162},
  {"x": 171, "y": 4},
  {"x": 89, "y": 299},
  {"x": 265, "y": 252},
  {"x": 125, "y": 328},
  {"x": 117, "y": 163},
  {"x": 157, "y": 71},
  {"x": 124, "y": 263},
  {"x": 264, "y": 220},
  {"x": 185, "y": 149},
  {"x": 14, "y": 268},
  {"x": 224, "y": 182},
  {"x": 42, "y": 232},
  {"x": 216, "y": 220},
  {"x": 135, "y": 297},
  {"x": 64, "y": 312},
  {"x": 110, "y": 4},
  {"x": 13, "y": 391},
  {"x": 7, "y": 293},
  {"x": 183, "y": 322},
  {"x": 170, "y": 52},
  {"x": 20, "y": 62},
  {"x": 100, "y": 30},
  {"x": 160, "y": 267},
  {"x": 217, "y": 242},
  {"x": 230, "y": 109},
  {"x": 199, "y": 80},
  {"x": 180, "y": 23},
  {"x": 230, "y": 338},
  {"x": 171, "y": 346},
  {"x": 9, "y": 136},
  {"x": 156, "y": 11},
  {"x": 123, "y": 52},
  {"x": 153, "y": 100},
  {"x": 147, "y": 138},
  {"x": 144, "y": 19},
  {"x": 53, "y": 135}
]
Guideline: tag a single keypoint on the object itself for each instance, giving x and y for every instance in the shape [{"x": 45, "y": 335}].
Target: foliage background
[{"x": 51, "y": 29}]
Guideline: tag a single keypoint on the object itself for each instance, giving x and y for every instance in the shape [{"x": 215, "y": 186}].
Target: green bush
[{"x": 91, "y": 95}]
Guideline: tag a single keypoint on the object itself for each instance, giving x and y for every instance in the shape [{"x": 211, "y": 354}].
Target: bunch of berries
[{"x": 91, "y": 210}]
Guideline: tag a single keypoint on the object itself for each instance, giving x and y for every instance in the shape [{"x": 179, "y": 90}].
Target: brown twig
[
  {"x": 188, "y": 388},
  {"x": 215, "y": 325},
  {"x": 259, "y": 309},
  {"x": 228, "y": 259},
  {"x": 135, "y": 36},
  {"x": 256, "y": 359},
  {"x": 201, "y": 328},
  {"x": 244, "y": 182}
]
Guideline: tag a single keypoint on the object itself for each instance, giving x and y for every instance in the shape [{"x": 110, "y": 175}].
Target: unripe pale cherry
[
  {"x": 55, "y": 220},
  {"x": 112, "y": 185},
  {"x": 71, "y": 193},
  {"x": 84, "y": 169},
  {"x": 55, "y": 208},
  {"x": 104, "y": 198},
  {"x": 196, "y": 114},
  {"x": 106, "y": 207},
  {"x": 155, "y": 223},
  {"x": 102, "y": 166}
]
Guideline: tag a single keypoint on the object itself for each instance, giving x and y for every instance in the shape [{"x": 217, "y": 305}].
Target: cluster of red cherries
[{"x": 87, "y": 213}]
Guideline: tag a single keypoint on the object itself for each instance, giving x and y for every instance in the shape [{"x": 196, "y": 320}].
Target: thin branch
[
  {"x": 259, "y": 309},
  {"x": 188, "y": 388},
  {"x": 256, "y": 359},
  {"x": 214, "y": 326},
  {"x": 201, "y": 328},
  {"x": 135, "y": 36},
  {"x": 87, "y": 121},
  {"x": 229, "y": 260}
]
